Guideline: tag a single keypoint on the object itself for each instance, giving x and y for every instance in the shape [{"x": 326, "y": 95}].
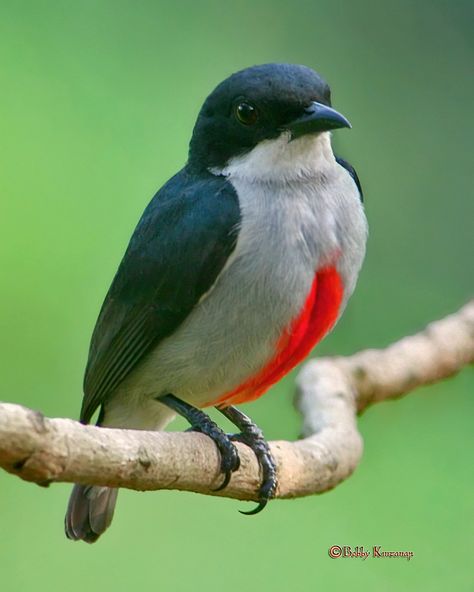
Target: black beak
[{"x": 316, "y": 118}]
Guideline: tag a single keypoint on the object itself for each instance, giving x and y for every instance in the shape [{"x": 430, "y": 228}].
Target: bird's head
[{"x": 260, "y": 104}]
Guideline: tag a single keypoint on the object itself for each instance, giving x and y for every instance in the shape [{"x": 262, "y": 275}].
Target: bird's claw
[
  {"x": 254, "y": 439},
  {"x": 230, "y": 460},
  {"x": 250, "y": 434}
]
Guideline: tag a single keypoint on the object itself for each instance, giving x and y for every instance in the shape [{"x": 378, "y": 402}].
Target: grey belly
[
  {"x": 233, "y": 331},
  {"x": 228, "y": 337}
]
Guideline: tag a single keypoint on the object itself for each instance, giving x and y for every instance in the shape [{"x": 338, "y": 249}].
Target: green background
[{"x": 97, "y": 102}]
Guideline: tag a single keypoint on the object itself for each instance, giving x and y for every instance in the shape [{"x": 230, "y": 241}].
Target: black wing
[
  {"x": 180, "y": 245},
  {"x": 352, "y": 172}
]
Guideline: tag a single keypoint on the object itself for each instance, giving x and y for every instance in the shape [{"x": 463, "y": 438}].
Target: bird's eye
[{"x": 246, "y": 113}]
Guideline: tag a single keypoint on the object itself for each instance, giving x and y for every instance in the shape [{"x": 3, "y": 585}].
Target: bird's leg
[
  {"x": 200, "y": 422},
  {"x": 252, "y": 435}
]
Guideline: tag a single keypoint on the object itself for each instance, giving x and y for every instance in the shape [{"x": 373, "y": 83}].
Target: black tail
[{"x": 89, "y": 512}]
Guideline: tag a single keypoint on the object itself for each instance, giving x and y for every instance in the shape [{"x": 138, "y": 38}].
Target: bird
[{"x": 240, "y": 264}]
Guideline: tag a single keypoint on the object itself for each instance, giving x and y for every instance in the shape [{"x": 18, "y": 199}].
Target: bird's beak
[{"x": 316, "y": 118}]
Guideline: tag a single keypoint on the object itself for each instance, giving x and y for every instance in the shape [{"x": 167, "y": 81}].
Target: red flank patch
[{"x": 317, "y": 317}]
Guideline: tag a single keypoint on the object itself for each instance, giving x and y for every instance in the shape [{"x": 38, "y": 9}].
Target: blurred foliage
[{"x": 98, "y": 101}]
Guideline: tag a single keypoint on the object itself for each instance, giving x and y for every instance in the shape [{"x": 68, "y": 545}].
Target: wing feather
[
  {"x": 178, "y": 249},
  {"x": 352, "y": 172}
]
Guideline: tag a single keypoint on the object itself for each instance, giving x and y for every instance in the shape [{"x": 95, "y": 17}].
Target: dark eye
[{"x": 246, "y": 113}]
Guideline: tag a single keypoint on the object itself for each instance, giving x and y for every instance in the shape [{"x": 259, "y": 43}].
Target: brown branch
[{"x": 330, "y": 393}]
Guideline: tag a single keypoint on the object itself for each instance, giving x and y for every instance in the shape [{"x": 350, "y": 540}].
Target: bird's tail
[{"x": 89, "y": 512}]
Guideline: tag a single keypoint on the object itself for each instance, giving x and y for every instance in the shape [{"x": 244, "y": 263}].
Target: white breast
[{"x": 300, "y": 211}]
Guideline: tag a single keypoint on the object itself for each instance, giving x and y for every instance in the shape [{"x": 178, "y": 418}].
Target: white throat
[{"x": 281, "y": 161}]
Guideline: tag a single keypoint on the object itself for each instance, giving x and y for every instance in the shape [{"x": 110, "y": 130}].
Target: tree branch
[{"x": 331, "y": 391}]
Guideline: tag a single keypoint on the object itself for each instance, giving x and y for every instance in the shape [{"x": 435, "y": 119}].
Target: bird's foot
[
  {"x": 230, "y": 460},
  {"x": 202, "y": 423},
  {"x": 252, "y": 436}
]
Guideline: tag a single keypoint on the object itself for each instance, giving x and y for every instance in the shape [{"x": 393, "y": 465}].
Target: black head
[{"x": 259, "y": 103}]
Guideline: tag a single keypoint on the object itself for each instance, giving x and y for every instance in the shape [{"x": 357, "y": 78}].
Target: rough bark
[{"x": 331, "y": 391}]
